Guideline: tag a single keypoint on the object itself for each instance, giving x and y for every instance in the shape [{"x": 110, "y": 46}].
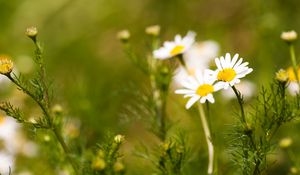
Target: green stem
[
  {"x": 208, "y": 138},
  {"x": 294, "y": 62},
  {"x": 240, "y": 100},
  {"x": 50, "y": 123}
]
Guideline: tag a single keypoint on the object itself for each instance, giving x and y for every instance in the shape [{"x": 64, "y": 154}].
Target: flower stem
[
  {"x": 240, "y": 100},
  {"x": 294, "y": 62},
  {"x": 208, "y": 138}
]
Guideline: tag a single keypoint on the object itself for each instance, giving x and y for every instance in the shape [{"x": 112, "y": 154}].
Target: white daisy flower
[
  {"x": 176, "y": 47},
  {"x": 229, "y": 71},
  {"x": 198, "y": 57},
  {"x": 199, "y": 88}
]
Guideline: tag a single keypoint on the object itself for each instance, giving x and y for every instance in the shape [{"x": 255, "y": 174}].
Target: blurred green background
[{"x": 92, "y": 76}]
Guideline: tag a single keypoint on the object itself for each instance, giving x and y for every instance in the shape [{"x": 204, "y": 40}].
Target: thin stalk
[
  {"x": 240, "y": 101},
  {"x": 208, "y": 139},
  {"x": 293, "y": 59}
]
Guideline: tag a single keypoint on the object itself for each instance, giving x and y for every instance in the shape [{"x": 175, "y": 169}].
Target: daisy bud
[
  {"x": 6, "y": 65},
  {"x": 123, "y": 35},
  {"x": 119, "y": 139},
  {"x": 289, "y": 36},
  {"x": 98, "y": 164},
  {"x": 119, "y": 167},
  {"x": 153, "y": 30},
  {"x": 282, "y": 75},
  {"x": 285, "y": 142},
  {"x": 57, "y": 109},
  {"x": 31, "y": 32}
]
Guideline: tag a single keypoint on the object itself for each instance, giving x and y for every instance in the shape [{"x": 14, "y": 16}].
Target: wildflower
[
  {"x": 289, "y": 36},
  {"x": 119, "y": 167},
  {"x": 6, "y": 65},
  {"x": 119, "y": 139},
  {"x": 229, "y": 71},
  {"x": 199, "y": 57},
  {"x": 247, "y": 88},
  {"x": 178, "y": 46},
  {"x": 153, "y": 30},
  {"x": 285, "y": 142},
  {"x": 123, "y": 35},
  {"x": 31, "y": 32},
  {"x": 98, "y": 164},
  {"x": 282, "y": 75},
  {"x": 199, "y": 88},
  {"x": 291, "y": 74}
]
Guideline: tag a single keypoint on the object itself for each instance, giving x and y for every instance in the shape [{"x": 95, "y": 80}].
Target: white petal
[
  {"x": 238, "y": 63},
  {"x": 218, "y": 86},
  {"x": 218, "y": 63},
  {"x": 234, "y": 59},
  {"x": 227, "y": 58},
  {"x": 203, "y": 99},
  {"x": 184, "y": 91},
  {"x": 191, "y": 101},
  {"x": 210, "y": 98}
]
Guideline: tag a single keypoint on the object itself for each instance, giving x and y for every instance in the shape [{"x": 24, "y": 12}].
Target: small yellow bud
[
  {"x": 100, "y": 153},
  {"x": 57, "y": 109},
  {"x": 31, "y": 32},
  {"x": 123, "y": 35},
  {"x": 119, "y": 139},
  {"x": 282, "y": 75},
  {"x": 285, "y": 142},
  {"x": 294, "y": 170},
  {"x": 6, "y": 65},
  {"x": 98, "y": 164},
  {"x": 153, "y": 30},
  {"x": 118, "y": 167},
  {"x": 289, "y": 36},
  {"x": 47, "y": 138},
  {"x": 166, "y": 146}
]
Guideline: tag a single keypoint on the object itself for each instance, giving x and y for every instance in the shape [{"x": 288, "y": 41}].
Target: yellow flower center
[
  {"x": 291, "y": 74},
  {"x": 6, "y": 65},
  {"x": 204, "y": 90},
  {"x": 227, "y": 74},
  {"x": 177, "y": 50}
]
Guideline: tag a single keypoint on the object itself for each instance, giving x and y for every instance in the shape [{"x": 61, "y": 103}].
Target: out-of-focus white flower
[
  {"x": 8, "y": 128},
  {"x": 72, "y": 128},
  {"x": 199, "y": 88},
  {"x": 198, "y": 57},
  {"x": 289, "y": 36},
  {"x": 247, "y": 88},
  {"x": 178, "y": 46},
  {"x": 6, "y": 161},
  {"x": 229, "y": 71},
  {"x": 29, "y": 149}
]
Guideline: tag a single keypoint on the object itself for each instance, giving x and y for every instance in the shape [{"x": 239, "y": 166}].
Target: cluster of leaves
[{"x": 251, "y": 144}]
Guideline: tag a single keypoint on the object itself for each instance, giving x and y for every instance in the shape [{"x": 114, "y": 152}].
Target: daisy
[
  {"x": 229, "y": 71},
  {"x": 199, "y": 88},
  {"x": 176, "y": 47},
  {"x": 198, "y": 57}
]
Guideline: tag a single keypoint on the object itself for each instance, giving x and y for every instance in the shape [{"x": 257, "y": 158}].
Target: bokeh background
[{"x": 93, "y": 79}]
